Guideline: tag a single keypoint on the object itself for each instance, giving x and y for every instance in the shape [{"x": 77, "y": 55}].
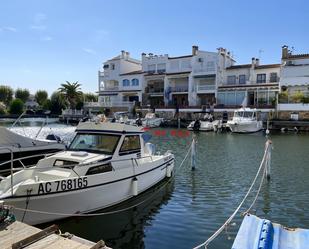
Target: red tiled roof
[{"x": 297, "y": 56}]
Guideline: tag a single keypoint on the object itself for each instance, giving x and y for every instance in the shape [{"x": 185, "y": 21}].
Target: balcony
[
  {"x": 206, "y": 88},
  {"x": 180, "y": 89},
  {"x": 109, "y": 88}
]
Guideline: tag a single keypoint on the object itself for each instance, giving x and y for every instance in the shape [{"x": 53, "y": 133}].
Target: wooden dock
[{"x": 18, "y": 235}]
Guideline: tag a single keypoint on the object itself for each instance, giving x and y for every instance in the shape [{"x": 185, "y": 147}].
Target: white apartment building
[
  {"x": 120, "y": 81},
  {"x": 249, "y": 84},
  {"x": 189, "y": 80},
  {"x": 200, "y": 78},
  {"x": 294, "y": 72}
]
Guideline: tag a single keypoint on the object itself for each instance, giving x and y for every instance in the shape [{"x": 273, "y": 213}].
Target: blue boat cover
[{"x": 257, "y": 233}]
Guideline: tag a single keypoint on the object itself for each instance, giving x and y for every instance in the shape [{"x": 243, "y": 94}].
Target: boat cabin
[{"x": 246, "y": 113}]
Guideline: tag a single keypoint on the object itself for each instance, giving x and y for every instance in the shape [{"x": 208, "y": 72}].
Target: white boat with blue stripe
[{"x": 106, "y": 164}]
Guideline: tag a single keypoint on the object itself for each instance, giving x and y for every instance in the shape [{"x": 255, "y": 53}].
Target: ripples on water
[{"x": 196, "y": 203}]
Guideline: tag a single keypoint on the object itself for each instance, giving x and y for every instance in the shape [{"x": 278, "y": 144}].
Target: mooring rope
[
  {"x": 109, "y": 212},
  {"x": 228, "y": 221}
]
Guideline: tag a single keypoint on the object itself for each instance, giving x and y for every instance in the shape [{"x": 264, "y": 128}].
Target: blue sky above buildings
[{"x": 45, "y": 43}]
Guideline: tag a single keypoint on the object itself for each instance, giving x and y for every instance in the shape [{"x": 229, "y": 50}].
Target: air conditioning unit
[{"x": 200, "y": 60}]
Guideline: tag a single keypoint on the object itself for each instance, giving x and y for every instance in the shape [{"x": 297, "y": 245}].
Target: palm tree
[{"x": 71, "y": 92}]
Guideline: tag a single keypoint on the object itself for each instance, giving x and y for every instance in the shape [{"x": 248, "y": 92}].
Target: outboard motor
[
  {"x": 225, "y": 117},
  {"x": 138, "y": 122},
  {"x": 196, "y": 125},
  {"x": 53, "y": 137}
]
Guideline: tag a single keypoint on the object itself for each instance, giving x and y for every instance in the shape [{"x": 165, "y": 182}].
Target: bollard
[
  {"x": 193, "y": 151},
  {"x": 267, "y": 127},
  {"x": 178, "y": 123}
]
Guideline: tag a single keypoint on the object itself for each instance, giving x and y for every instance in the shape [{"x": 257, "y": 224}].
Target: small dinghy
[
  {"x": 106, "y": 163},
  {"x": 255, "y": 232}
]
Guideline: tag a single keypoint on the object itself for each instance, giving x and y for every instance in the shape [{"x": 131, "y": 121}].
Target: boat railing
[
  {"x": 20, "y": 159},
  {"x": 12, "y": 157}
]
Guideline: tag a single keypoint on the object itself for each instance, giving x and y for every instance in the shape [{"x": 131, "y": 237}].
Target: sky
[{"x": 44, "y": 43}]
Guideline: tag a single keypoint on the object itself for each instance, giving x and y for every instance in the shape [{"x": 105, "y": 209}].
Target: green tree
[
  {"x": 90, "y": 97},
  {"x": 16, "y": 106},
  {"x": 57, "y": 102},
  {"x": 6, "y": 94},
  {"x": 22, "y": 94},
  {"x": 71, "y": 92},
  {"x": 47, "y": 104},
  {"x": 41, "y": 96}
]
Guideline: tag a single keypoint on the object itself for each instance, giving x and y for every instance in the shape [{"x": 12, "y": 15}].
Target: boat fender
[
  {"x": 134, "y": 187},
  {"x": 266, "y": 235},
  {"x": 168, "y": 171}
]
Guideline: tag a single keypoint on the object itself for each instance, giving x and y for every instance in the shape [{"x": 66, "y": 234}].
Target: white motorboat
[
  {"x": 151, "y": 120},
  {"x": 106, "y": 163},
  {"x": 245, "y": 120},
  {"x": 205, "y": 123}
]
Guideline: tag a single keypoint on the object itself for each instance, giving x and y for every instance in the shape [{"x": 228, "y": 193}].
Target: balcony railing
[
  {"x": 180, "y": 89},
  {"x": 155, "y": 90},
  {"x": 109, "y": 88},
  {"x": 206, "y": 87}
]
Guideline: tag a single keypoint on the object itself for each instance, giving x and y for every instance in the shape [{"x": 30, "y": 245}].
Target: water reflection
[{"x": 124, "y": 229}]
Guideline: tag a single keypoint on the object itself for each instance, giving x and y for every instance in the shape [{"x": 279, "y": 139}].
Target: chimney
[
  {"x": 127, "y": 55},
  {"x": 285, "y": 52},
  {"x": 123, "y": 54},
  {"x": 257, "y": 61},
  {"x": 253, "y": 62},
  {"x": 194, "y": 50}
]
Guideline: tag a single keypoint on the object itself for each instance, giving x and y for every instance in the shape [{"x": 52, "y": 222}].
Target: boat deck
[{"x": 20, "y": 235}]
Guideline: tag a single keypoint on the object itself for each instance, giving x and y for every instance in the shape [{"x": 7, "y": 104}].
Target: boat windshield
[{"x": 97, "y": 143}]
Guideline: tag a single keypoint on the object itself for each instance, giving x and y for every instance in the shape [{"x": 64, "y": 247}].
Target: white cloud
[
  {"x": 38, "y": 27},
  {"x": 11, "y": 29},
  {"x": 46, "y": 38},
  {"x": 89, "y": 51},
  {"x": 39, "y": 17}
]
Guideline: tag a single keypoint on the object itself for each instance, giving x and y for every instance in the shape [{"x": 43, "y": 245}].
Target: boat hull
[
  {"x": 95, "y": 196},
  {"x": 245, "y": 127}
]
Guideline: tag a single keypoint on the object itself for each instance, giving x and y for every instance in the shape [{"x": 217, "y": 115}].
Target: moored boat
[
  {"x": 106, "y": 163},
  {"x": 203, "y": 123},
  {"x": 245, "y": 120},
  {"x": 151, "y": 120}
]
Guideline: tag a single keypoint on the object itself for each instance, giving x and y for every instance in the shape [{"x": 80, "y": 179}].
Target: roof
[
  {"x": 132, "y": 73},
  {"x": 267, "y": 66},
  {"x": 256, "y": 67},
  {"x": 179, "y": 57},
  {"x": 296, "y": 56},
  {"x": 179, "y": 73},
  {"x": 108, "y": 128},
  {"x": 239, "y": 66}
]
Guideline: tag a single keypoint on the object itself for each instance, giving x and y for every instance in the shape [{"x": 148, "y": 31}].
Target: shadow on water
[{"x": 124, "y": 229}]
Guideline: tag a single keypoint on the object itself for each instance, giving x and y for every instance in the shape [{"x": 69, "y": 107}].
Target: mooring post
[
  {"x": 193, "y": 152},
  {"x": 268, "y": 158},
  {"x": 267, "y": 127},
  {"x": 178, "y": 120}
]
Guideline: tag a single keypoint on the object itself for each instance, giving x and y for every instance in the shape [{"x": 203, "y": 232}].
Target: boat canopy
[
  {"x": 108, "y": 128},
  {"x": 255, "y": 232},
  {"x": 9, "y": 138}
]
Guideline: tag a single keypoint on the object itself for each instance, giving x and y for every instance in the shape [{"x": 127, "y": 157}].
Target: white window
[
  {"x": 152, "y": 68},
  {"x": 135, "y": 82},
  {"x": 231, "y": 79},
  {"x": 210, "y": 66},
  {"x": 125, "y": 82}
]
